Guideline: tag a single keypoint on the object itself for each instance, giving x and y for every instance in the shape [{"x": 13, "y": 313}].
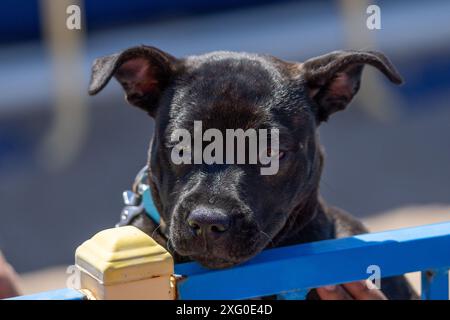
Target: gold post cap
[{"x": 124, "y": 254}]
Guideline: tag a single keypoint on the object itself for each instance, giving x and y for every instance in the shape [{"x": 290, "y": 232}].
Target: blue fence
[{"x": 290, "y": 271}]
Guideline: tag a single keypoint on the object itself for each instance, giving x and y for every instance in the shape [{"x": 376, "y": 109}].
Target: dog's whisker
[
  {"x": 268, "y": 237},
  {"x": 170, "y": 247},
  {"x": 156, "y": 229}
]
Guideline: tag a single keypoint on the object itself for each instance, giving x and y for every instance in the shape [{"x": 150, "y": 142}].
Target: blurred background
[{"x": 65, "y": 158}]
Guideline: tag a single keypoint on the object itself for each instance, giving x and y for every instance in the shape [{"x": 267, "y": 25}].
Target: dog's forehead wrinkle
[
  {"x": 242, "y": 89},
  {"x": 216, "y": 56},
  {"x": 238, "y": 61},
  {"x": 225, "y": 103},
  {"x": 281, "y": 92}
]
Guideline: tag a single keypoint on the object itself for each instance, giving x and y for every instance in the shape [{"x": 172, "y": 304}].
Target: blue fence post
[
  {"x": 60, "y": 294},
  {"x": 435, "y": 284}
]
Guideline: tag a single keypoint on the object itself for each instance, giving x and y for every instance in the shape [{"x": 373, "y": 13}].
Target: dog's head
[{"x": 221, "y": 213}]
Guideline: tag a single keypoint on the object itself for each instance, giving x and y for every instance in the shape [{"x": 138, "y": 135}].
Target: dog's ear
[
  {"x": 334, "y": 78},
  {"x": 144, "y": 72}
]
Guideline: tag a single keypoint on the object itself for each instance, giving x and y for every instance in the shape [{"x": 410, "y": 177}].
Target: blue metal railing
[
  {"x": 60, "y": 294},
  {"x": 290, "y": 271}
]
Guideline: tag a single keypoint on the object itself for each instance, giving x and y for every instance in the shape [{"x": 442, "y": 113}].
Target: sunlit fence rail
[{"x": 287, "y": 272}]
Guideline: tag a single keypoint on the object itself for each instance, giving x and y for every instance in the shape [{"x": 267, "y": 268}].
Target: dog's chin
[
  {"x": 212, "y": 262},
  {"x": 214, "y": 259},
  {"x": 216, "y": 263}
]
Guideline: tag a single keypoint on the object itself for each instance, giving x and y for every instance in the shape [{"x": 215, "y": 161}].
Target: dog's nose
[{"x": 211, "y": 223}]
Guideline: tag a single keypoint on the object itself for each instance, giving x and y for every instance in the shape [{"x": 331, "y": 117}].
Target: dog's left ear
[
  {"x": 144, "y": 72},
  {"x": 334, "y": 78}
]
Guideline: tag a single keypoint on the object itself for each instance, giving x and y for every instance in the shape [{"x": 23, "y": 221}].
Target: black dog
[{"x": 221, "y": 215}]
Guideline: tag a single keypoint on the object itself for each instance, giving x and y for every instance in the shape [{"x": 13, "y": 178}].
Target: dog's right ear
[
  {"x": 333, "y": 79},
  {"x": 144, "y": 72}
]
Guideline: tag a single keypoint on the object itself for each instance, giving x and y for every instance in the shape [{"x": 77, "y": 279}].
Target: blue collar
[
  {"x": 141, "y": 187},
  {"x": 149, "y": 206},
  {"x": 139, "y": 201}
]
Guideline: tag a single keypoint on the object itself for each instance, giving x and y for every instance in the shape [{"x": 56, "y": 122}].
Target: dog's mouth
[
  {"x": 221, "y": 256},
  {"x": 215, "y": 262},
  {"x": 212, "y": 261}
]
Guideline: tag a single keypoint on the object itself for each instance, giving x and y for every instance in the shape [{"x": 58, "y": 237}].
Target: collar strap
[
  {"x": 139, "y": 201},
  {"x": 141, "y": 188},
  {"x": 149, "y": 206}
]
